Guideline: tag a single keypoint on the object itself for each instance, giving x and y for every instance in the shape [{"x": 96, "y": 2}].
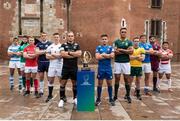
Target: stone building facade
[{"x": 89, "y": 19}]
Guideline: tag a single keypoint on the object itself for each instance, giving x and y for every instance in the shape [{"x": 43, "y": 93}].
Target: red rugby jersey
[{"x": 30, "y": 49}]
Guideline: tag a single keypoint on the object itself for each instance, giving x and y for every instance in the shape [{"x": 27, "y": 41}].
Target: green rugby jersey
[
  {"x": 123, "y": 44},
  {"x": 21, "y": 48}
]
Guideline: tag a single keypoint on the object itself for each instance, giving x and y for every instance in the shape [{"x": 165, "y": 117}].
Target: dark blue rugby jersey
[{"x": 43, "y": 46}]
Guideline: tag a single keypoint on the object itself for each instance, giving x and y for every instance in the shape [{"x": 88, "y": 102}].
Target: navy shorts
[
  {"x": 43, "y": 66},
  {"x": 105, "y": 74}
]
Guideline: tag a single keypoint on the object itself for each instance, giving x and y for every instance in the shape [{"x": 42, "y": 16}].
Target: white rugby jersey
[
  {"x": 14, "y": 48},
  {"x": 53, "y": 48}
]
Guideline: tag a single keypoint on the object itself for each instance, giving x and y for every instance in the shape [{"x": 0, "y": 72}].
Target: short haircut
[
  {"x": 31, "y": 38},
  {"x": 123, "y": 28},
  {"x": 70, "y": 32},
  {"x": 104, "y": 35},
  {"x": 15, "y": 38},
  {"x": 143, "y": 35},
  {"x": 25, "y": 36},
  {"x": 56, "y": 34},
  {"x": 43, "y": 33},
  {"x": 135, "y": 38},
  {"x": 165, "y": 43},
  {"x": 152, "y": 36}
]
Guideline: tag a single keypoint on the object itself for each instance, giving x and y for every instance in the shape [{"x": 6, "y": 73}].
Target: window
[
  {"x": 147, "y": 29},
  {"x": 156, "y": 3},
  {"x": 123, "y": 23},
  {"x": 164, "y": 34},
  {"x": 156, "y": 28}
]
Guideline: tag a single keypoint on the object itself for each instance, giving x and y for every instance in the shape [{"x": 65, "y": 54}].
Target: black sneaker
[
  {"x": 156, "y": 90},
  {"x": 65, "y": 99},
  {"x": 27, "y": 93},
  {"x": 48, "y": 98},
  {"x": 98, "y": 102},
  {"x": 112, "y": 103},
  {"x": 115, "y": 98},
  {"x": 139, "y": 97},
  {"x": 12, "y": 87},
  {"x": 36, "y": 93},
  {"x": 40, "y": 95},
  {"x": 129, "y": 99}
]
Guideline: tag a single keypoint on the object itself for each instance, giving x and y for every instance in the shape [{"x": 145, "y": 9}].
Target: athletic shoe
[
  {"x": 31, "y": 89},
  {"x": 98, "y": 102},
  {"x": 27, "y": 93},
  {"x": 129, "y": 99},
  {"x": 48, "y": 98},
  {"x": 12, "y": 87},
  {"x": 139, "y": 97},
  {"x": 65, "y": 99},
  {"x": 156, "y": 90},
  {"x": 148, "y": 93},
  {"x": 36, "y": 93},
  {"x": 40, "y": 95},
  {"x": 61, "y": 103},
  {"x": 115, "y": 98},
  {"x": 112, "y": 103},
  {"x": 75, "y": 101}
]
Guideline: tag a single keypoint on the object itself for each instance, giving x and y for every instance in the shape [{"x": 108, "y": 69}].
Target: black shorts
[
  {"x": 43, "y": 66},
  {"x": 69, "y": 74}
]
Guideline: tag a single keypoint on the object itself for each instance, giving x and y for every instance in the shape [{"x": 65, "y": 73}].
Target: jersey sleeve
[
  {"x": 97, "y": 49},
  {"x": 9, "y": 49},
  {"x": 48, "y": 50},
  {"x": 170, "y": 52},
  {"x": 143, "y": 51},
  {"x": 78, "y": 47},
  {"x": 62, "y": 47},
  {"x": 25, "y": 49},
  {"x": 130, "y": 43},
  {"x": 114, "y": 45},
  {"x": 112, "y": 49},
  {"x": 150, "y": 46}
]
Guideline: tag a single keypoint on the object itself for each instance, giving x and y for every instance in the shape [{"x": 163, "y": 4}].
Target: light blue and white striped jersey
[{"x": 14, "y": 48}]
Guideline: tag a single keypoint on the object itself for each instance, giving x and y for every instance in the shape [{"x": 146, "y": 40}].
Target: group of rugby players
[{"x": 132, "y": 58}]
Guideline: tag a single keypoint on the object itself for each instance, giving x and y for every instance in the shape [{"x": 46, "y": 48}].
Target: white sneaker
[
  {"x": 75, "y": 101},
  {"x": 31, "y": 89},
  {"x": 61, "y": 104}
]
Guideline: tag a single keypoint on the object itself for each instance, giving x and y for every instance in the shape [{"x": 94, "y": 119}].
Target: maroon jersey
[{"x": 154, "y": 58}]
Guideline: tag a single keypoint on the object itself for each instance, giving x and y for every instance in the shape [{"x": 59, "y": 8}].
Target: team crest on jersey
[
  {"x": 75, "y": 47},
  {"x": 46, "y": 45},
  {"x": 126, "y": 44}
]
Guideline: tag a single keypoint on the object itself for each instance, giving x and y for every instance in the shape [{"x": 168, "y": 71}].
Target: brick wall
[{"x": 90, "y": 18}]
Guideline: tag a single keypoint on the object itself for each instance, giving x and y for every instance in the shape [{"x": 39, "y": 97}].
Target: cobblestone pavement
[{"x": 162, "y": 106}]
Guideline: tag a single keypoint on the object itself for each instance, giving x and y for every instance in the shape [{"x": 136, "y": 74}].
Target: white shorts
[
  {"x": 22, "y": 66},
  {"x": 31, "y": 69},
  {"x": 14, "y": 64},
  {"x": 122, "y": 68},
  {"x": 54, "y": 71},
  {"x": 165, "y": 68},
  {"x": 146, "y": 67}
]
